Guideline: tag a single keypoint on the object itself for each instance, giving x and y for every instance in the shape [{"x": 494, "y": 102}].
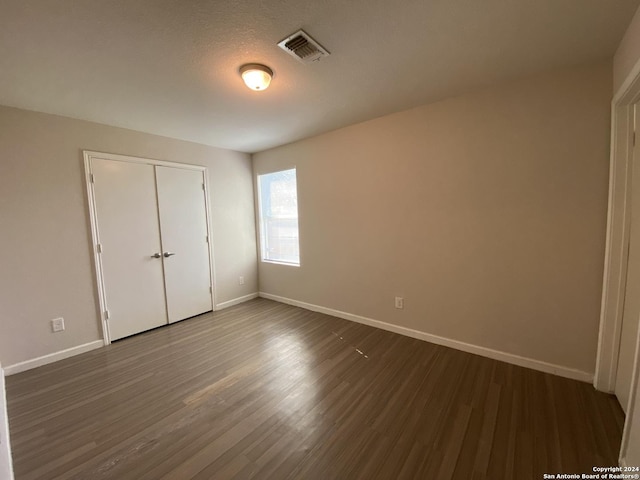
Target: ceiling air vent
[{"x": 301, "y": 46}]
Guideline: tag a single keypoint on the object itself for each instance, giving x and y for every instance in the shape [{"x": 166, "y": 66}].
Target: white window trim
[{"x": 259, "y": 230}]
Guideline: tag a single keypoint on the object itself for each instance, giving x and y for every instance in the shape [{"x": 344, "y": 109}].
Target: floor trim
[
  {"x": 236, "y": 301},
  {"x": 52, "y": 357},
  {"x": 447, "y": 342}
]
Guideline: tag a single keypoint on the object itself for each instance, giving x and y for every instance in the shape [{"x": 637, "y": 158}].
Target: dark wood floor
[{"x": 265, "y": 390}]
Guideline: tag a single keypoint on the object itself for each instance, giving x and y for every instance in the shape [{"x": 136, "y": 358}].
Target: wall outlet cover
[{"x": 57, "y": 324}]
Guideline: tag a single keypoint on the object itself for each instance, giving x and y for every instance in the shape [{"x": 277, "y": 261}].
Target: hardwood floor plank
[
  {"x": 458, "y": 432},
  {"x": 485, "y": 444}
]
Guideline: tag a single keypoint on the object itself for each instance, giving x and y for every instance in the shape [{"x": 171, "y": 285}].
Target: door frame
[
  {"x": 617, "y": 246},
  {"x": 95, "y": 239}
]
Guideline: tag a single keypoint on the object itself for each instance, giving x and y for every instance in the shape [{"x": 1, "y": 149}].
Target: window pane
[{"x": 278, "y": 202}]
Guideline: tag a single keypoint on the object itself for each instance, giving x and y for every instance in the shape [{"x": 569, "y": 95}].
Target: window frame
[{"x": 262, "y": 239}]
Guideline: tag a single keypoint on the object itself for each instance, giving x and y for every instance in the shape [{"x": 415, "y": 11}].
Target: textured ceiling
[{"x": 170, "y": 67}]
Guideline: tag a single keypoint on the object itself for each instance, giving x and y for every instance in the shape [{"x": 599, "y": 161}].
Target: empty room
[{"x": 278, "y": 239}]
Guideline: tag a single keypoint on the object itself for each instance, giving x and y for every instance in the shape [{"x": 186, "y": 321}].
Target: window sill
[{"x": 276, "y": 262}]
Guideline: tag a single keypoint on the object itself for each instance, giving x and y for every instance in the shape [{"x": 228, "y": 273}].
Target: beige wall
[
  {"x": 45, "y": 246},
  {"x": 628, "y": 53},
  {"x": 486, "y": 212}
]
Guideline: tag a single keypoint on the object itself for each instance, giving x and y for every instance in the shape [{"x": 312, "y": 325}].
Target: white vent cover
[{"x": 301, "y": 46}]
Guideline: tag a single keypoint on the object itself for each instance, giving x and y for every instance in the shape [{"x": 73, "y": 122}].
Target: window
[{"x": 278, "y": 204}]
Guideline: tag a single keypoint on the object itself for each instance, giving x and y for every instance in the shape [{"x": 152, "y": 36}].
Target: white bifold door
[
  {"x": 183, "y": 229},
  {"x": 151, "y": 223}
]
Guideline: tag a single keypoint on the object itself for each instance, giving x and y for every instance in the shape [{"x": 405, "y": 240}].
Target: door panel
[
  {"x": 631, "y": 315},
  {"x": 128, "y": 229},
  {"x": 183, "y": 224}
]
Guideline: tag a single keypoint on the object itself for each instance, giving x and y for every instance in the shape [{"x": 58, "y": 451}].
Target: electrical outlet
[
  {"x": 57, "y": 324},
  {"x": 399, "y": 302},
  {"x": 241, "y": 281}
]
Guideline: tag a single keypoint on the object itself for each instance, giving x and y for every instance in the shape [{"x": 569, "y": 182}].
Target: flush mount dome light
[{"x": 256, "y": 77}]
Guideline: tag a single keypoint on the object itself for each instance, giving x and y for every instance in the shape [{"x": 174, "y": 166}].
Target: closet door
[
  {"x": 129, "y": 233},
  {"x": 183, "y": 224}
]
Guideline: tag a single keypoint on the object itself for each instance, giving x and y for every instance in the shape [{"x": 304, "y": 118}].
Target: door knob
[
  {"x": 168, "y": 254},
  {"x": 156, "y": 255}
]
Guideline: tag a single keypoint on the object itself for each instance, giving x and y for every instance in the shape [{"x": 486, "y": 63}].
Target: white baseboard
[
  {"x": 236, "y": 301},
  {"x": 447, "y": 342},
  {"x": 52, "y": 357}
]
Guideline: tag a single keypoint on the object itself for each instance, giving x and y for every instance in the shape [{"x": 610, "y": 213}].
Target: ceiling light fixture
[{"x": 257, "y": 77}]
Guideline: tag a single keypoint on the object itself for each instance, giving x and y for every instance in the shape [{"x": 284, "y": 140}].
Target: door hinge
[
  {"x": 91, "y": 179},
  {"x": 210, "y": 289},
  {"x": 99, "y": 247},
  {"x": 107, "y": 315},
  {"x": 634, "y": 139},
  {"x": 203, "y": 186},
  {"x": 206, "y": 238}
]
